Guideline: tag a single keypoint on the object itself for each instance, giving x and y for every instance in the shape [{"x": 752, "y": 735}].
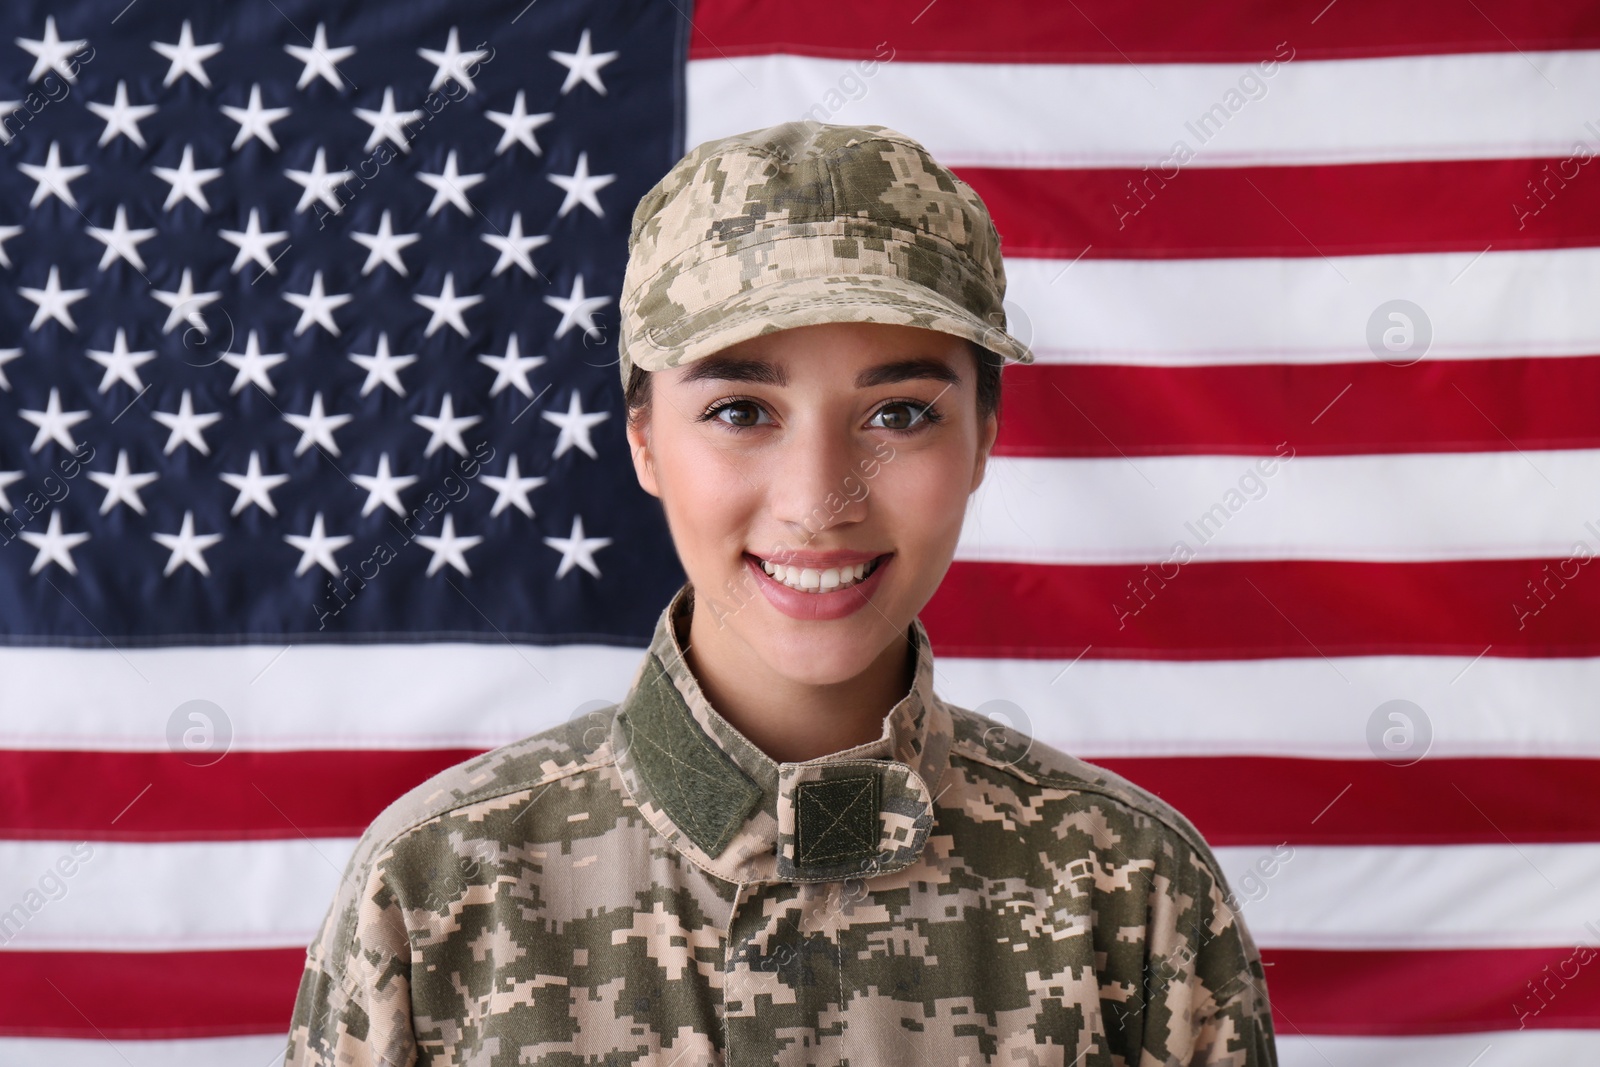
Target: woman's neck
[{"x": 792, "y": 721}]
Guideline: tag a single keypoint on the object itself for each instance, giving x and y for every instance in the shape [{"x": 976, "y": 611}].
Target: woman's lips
[{"x": 818, "y": 607}]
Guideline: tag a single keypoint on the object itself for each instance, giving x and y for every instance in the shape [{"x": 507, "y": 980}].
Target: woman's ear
[
  {"x": 986, "y": 438},
  {"x": 644, "y": 466}
]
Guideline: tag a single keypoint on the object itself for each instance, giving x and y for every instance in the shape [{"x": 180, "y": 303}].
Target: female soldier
[{"x": 783, "y": 846}]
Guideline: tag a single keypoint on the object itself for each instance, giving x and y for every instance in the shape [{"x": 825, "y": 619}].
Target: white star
[
  {"x": 54, "y": 424},
  {"x": 388, "y": 123},
  {"x": 450, "y": 186},
  {"x": 317, "y": 306},
  {"x": 6, "y": 108},
  {"x": 122, "y": 485},
  {"x": 383, "y": 488},
  {"x": 186, "y": 426},
  {"x": 252, "y": 244},
  {"x": 511, "y": 368},
  {"x": 447, "y": 547},
  {"x": 575, "y": 426},
  {"x": 519, "y": 126},
  {"x": 319, "y": 183},
  {"x": 120, "y": 241},
  {"x": 254, "y": 487},
  {"x": 7, "y": 478},
  {"x": 447, "y": 307},
  {"x": 54, "y": 179},
  {"x": 317, "y": 548},
  {"x": 252, "y": 366},
  {"x": 316, "y": 427},
  {"x": 382, "y": 367},
  {"x": 6, "y": 234},
  {"x": 514, "y": 247},
  {"x": 385, "y": 246},
  {"x": 255, "y": 120},
  {"x": 512, "y": 489},
  {"x": 122, "y": 118},
  {"x": 186, "y": 181},
  {"x": 186, "y": 545},
  {"x": 445, "y": 428},
  {"x": 186, "y": 57},
  {"x": 53, "y": 302},
  {"x": 451, "y": 63},
  {"x": 577, "y": 549},
  {"x": 121, "y": 365},
  {"x": 578, "y": 309},
  {"x": 581, "y": 187},
  {"x": 51, "y": 53},
  {"x": 583, "y": 65},
  {"x": 185, "y": 304},
  {"x": 319, "y": 59},
  {"x": 54, "y": 546},
  {"x": 6, "y": 356}
]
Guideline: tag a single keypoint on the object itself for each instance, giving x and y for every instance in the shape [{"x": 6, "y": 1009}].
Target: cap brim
[{"x": 782, "y": 305}]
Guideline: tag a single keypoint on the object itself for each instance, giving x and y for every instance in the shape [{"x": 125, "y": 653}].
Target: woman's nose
[{"x": 817, "y": 478}]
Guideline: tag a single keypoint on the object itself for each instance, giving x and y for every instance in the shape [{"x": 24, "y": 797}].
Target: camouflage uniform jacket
[{"x": 646, "y": 886}]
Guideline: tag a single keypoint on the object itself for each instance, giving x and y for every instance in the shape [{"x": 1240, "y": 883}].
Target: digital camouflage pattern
[
  {"x": 805, "y": 223},
  {"x": 643, "y": 885}
]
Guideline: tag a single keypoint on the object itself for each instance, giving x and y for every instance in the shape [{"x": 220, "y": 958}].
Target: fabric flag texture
[{"x": 314, "y": 479}]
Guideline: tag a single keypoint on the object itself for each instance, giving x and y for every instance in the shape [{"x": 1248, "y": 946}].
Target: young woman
[{"x": 783, "y": 846}]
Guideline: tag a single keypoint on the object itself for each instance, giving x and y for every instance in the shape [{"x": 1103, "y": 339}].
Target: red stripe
[
  {"x": 1434, "y": 801},
  {"x": 1313, "y": 801},
  {"x": 149, "y": 995},
  {"x": 1441, "y": 991},
  {"x": 1109, "y": 31},
  {"x": 1261, "y": 609},
  {"x": 1321, "y": 409},
  {"x": 159, "y": 796},
  {"x": 170, "y": 995},
  {"x": 1173, "y": 211}
]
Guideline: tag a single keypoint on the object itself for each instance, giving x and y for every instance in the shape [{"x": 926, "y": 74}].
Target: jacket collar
[{"x": 744, "y": 817}]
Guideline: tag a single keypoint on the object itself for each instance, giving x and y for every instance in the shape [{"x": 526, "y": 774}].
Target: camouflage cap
[{"x": 804, "y": 223}]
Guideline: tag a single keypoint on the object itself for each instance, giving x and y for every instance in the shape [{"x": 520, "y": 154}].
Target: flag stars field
[{"x": 184, "y": 154}]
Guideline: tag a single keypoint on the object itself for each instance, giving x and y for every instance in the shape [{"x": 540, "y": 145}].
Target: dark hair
[{"x": 636, "y": 397}]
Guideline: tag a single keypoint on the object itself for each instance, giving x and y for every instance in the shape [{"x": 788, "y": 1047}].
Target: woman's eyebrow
[
  {"x": 905, "y": 370},
  {"x": 731, "y": 369}
]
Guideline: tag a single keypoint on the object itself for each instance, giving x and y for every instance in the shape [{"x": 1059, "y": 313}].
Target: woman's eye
[
  {"x": 902, "y": 415},
  {"x": 744, "y": 413}
]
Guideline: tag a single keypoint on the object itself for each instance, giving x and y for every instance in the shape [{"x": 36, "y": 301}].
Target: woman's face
[{"x": 816, "y": 446}]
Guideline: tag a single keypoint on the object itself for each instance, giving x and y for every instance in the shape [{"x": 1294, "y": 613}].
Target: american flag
[{"x": 316, "y": 484}]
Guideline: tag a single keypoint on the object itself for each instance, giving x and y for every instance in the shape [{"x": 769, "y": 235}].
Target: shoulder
[
  {"x": 1010, "y": 758},
  {"x": 462, "y": 806},
  {"x": 559, "y": 751}
]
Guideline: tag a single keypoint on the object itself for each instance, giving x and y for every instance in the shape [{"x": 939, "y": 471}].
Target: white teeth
[{"x": 811, "y": 580}]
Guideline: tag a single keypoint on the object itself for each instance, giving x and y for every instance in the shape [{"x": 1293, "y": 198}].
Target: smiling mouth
[{"x": 820, "y": 580}]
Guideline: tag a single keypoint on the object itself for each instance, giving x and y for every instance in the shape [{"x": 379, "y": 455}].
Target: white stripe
[
  {"x": 399, "y": 696},
  {"x": 1509, "y": 1048},
  {"x": 167, "y": 896},
  {"x": 1305, "y": 707},
  {"x": 264, "y": 1051},
  {"x": 1471, "y": 106},
  {"x": 1388, "y": 507},
  {"x": 1405, "y": 897},
  {"x": 1192, "y": 312},
  {"x": 261, "y": 894},
  {"x": 1493, "y": 1049},
  {"x": 1483, "y": 706}
]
